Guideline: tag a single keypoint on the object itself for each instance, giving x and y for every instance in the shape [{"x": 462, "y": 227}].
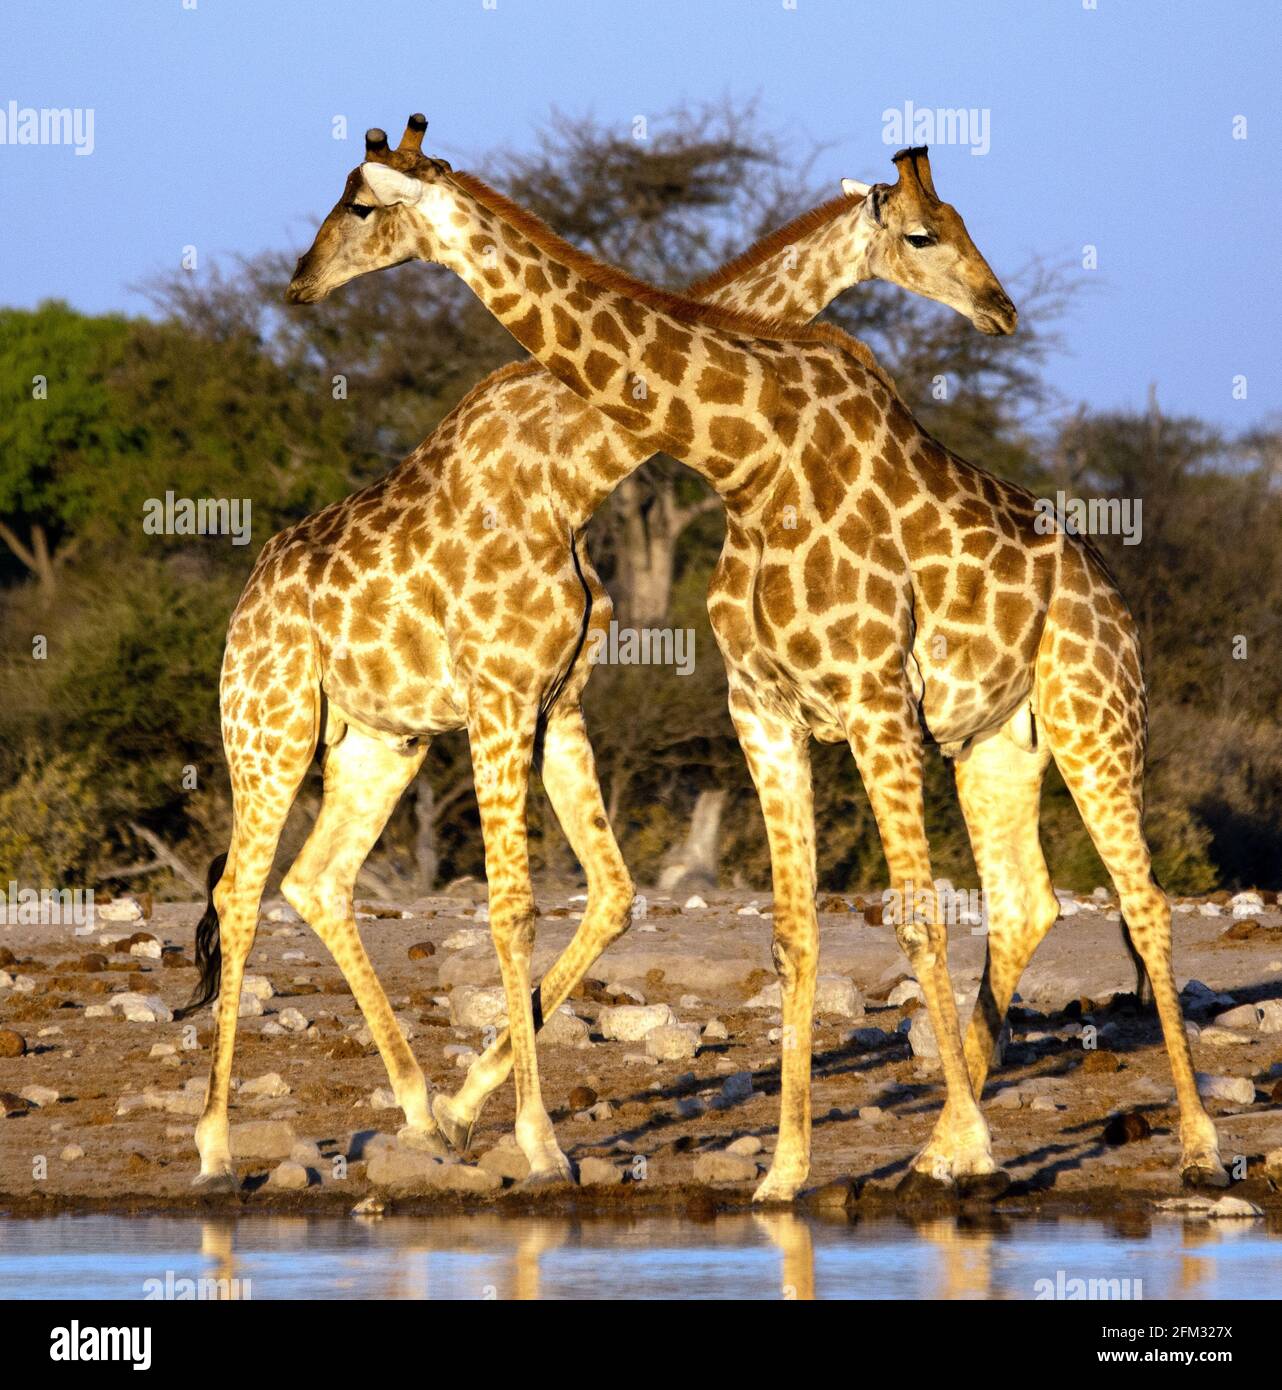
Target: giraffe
[
  {"x": 829, "y": 485},
  {"x": 761, "y": 409},
  {"x": 273, "y": 661}
]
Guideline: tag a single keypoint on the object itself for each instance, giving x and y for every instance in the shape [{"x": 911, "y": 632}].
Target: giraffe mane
[
  {"x": 678, "y": 306},
  {"x": 773, "y": 242}
]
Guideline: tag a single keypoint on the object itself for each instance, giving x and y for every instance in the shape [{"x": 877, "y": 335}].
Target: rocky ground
[{"x": 661, "y": 1075}]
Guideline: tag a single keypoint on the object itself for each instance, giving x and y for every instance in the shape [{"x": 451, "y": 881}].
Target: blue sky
[{"x": 1110, "y": 126}]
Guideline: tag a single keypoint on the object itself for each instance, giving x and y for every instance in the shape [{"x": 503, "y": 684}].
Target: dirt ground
[{"x": 118, "y": 1133}]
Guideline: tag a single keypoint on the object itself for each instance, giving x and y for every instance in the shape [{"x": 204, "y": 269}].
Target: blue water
[{"x": 740, "y": 1256}]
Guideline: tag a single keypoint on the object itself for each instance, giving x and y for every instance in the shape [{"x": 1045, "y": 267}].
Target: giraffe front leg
[
  {"x": 886, "y": 742},
  {"x": 501, "y": 730},
  {"x": 569, "y": 777},
  {"x": 779, "y": 759}
]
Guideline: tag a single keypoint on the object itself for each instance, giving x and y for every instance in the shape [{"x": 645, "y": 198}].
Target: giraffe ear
[
  {"x": 388, "y": 186},
  {"x": 852, "y": 188}
]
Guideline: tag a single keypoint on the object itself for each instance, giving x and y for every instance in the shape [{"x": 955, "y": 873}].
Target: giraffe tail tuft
[{"x": 209, "y": 953}]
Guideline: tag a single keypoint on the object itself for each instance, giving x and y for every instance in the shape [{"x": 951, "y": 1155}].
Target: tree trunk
[
  {"x": 426, "y": 859},
  {"x": 651, "y": 523},
  {"x": 693, "y": 863}
]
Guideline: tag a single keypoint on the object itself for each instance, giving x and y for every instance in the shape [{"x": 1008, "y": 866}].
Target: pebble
[
  {"x": 582, "y": 1098},
  {"x": 424, "y": 950},
  {"x": 12, "y": 1044},
  {"x": 870, "y": 1114},
  {"x": 382, "y": 1098},
  {"x": 632, "y": 1022},
  {"x": 837, "y": 997},
  {"x": 715, "y": 1031},
  {"x": 259, "y": 986},
  {"x": 292, "y": 1020},
  {"x": 921, "y": 1037},
  {"x": 39, "y": 1095},
  {"x": 72, "y": 1153},
  {"x": 694, "y": 903}
]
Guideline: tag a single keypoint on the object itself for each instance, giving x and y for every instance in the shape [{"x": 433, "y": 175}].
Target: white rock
[
  {"x": 631, "y": 1022},
  {"x": 257, "y": 985},
  {"x": 921, "y": 1036},
  {"x": 748, "y": 1145},
  {"x": 750, "y": 910},
  {"x": 1243, "y": 1016},
  {"x": 99, "y": 1011},
  {"x": 162, "y": 1050},
  {"x": 119, "y": 910},
  {"x": 463, "y": 938},
  {"x": 289, "y": 1175},
  {"x": 251, "y": 1006},
  {"x": 478, "y": 1006},
  {"x": 715, "y": 1031},
  {"x": 142, "y": 1008},
  {"x": 1234, "y": 1209},
  {"x": 694, "y": 903},
  {"x": 1239, "y": 1090},
  {"x": 40, "y": 1095},
  {"x": 146, "y": 950},
  {"x": 615, "y": 988},
  {"x": 1246, "y": 904},
  {"x": 72, "y": 1153},
  {"x": 382, "y": 1099},
  {"x": 837, "y": 997},
  {"x": 672, "y": 1042},
  {"x": 768, "y": 997},
  {"x": 565, "y": 1029},
  {"x": 689, "y": 1001},
  {"x": 1215, "y": 1036},
  {"x": 270, "y": 1086},
  {"x": 284, "y": 913},
  {"x": 1210, "y": 910},
  {"x": 292, "y": 1021},
  {"x": 1271, "y": 1016},
  {"x": 903, "y": 992}
]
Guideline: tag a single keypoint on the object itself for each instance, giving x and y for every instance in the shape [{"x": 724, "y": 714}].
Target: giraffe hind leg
[
  {"x": 364, "y": 779},
  {"x": 1102, "y": 764},
  {"x": 999, "y": 785}
]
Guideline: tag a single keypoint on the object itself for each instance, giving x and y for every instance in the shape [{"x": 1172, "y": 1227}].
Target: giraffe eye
[
  {"x": 920, "y": 241},
  {"x": 360, "y": 209}
]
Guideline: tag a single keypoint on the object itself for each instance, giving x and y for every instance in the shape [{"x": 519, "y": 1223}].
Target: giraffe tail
[{"x": 209, "y": 953}]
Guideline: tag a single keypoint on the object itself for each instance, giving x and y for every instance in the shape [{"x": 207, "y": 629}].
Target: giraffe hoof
[
  {"x": 545, "y": 1179},
  {"x": 216, "y": 1184},
  {"x": 455, "y": 1133},
  {"x": 426, "y": 1141},
  {"x": 984, "y": 1187},
  {"x": 1202, "y": 1176}
]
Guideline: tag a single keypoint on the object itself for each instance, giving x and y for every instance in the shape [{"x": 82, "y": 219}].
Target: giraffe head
[
  {"x": 372, "y": 225},
  {"x": 921, "y": 244}
]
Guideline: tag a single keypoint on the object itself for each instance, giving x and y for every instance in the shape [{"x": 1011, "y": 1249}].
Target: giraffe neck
[
  {"x": 798, "y": 270},
  {"x": 677, "y": 381}
]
